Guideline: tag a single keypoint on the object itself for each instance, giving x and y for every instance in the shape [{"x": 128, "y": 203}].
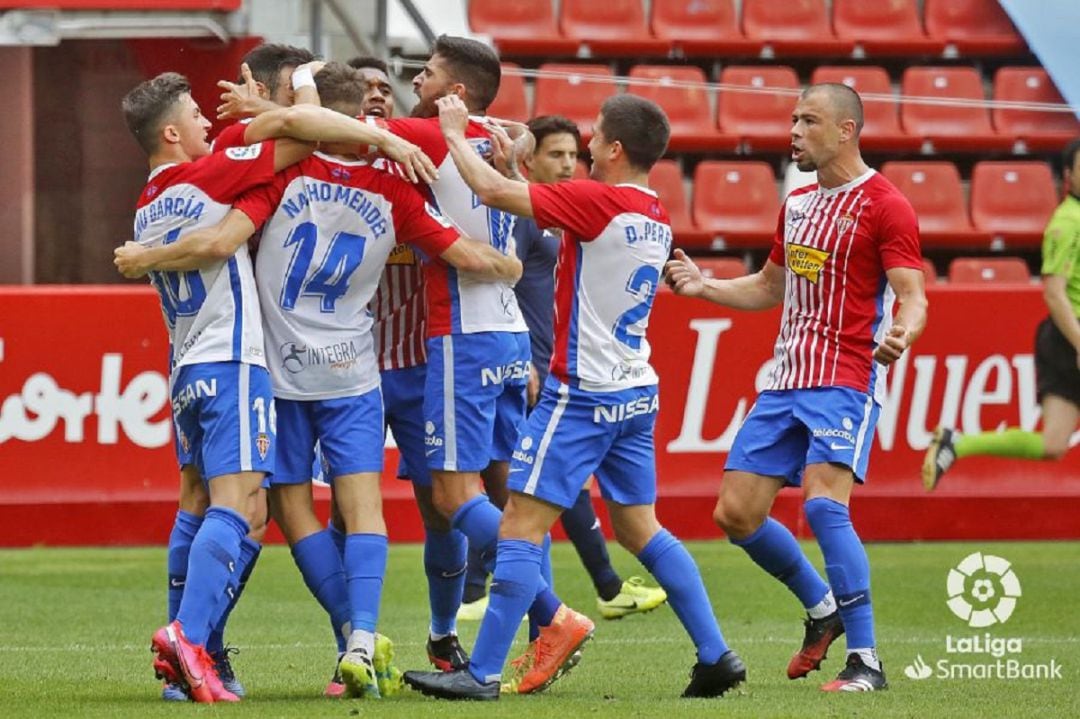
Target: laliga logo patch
[
  {"x": 246, "y": 152},
  {"x": 262, "y": 443},
  {"x": 436, "y": 215},
  {"x": 483, "y": 147},
  {"x": 806, "y": 261},
  {"x": 983, "y": 590}
]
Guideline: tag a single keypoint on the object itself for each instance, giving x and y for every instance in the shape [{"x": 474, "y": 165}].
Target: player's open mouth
[
  {"x": 796, "y": 153},
  {"x": 377, "y": 111}
]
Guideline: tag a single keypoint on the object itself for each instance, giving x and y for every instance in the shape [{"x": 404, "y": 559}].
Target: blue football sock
[
  {"x": 185, "y": 526},
  {"x": 478, "y": 519},
  {"x": 583, "y": 529},
  {"x": 667, "y": 559},
  {"x": 317, "y": 559},
  {"x": 211, "y": 563},
  {"x": 249, "y": 554},
  {"x": 775, "y": 550},
  {"x": 339, "y": 539},
  {"x": 513, "y": 588},
  {"x": 444, "y": 564},
  {"x": 476, "y": 574},
  {"x": 846, "y": 566},
  {"x": 540, "y": 613},
  {"x": 365, "y": 567}
]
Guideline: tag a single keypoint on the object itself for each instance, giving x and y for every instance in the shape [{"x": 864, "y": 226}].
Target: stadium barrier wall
[{"x": 86, "y": 451}]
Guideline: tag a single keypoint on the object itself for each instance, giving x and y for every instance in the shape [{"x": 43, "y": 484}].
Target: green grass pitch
[{"x": 75, "y": 626}]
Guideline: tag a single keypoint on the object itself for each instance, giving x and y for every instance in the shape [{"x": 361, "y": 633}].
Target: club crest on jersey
[
  {"x": 262, "y": 443},
  {"x": 806, "y": 261},
  {"x": 244, "y": 152},
  {"x": 844, "y": 223}
]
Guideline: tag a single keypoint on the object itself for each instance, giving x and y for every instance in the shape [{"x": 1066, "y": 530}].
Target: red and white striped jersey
[
  {"x": 400, "y": 328},
  {"x": 836, "y": 245}
]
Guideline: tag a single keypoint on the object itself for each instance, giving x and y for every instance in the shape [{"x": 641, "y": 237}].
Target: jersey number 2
[
  {"x": 331, "y": 280},
  {"x": 642, "y": 286}
]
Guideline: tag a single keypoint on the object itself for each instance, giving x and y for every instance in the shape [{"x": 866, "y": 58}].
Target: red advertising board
[{"x": 86, "y": 446}]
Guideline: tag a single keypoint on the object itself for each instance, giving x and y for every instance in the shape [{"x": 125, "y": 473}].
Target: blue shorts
[
  {"x": 474, "y": 399},
  {"x": 348, "y": 429},
  {"x": 403, "y": 398},
  {"x": 571, "y": 434},
  {"x": 789, "y": 429},
  {"x": 223, "y": 413}
]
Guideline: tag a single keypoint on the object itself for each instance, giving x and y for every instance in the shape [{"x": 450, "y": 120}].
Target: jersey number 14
[{"x": 331, "y": 280}]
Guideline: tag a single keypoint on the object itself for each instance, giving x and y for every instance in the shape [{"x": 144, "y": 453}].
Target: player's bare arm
[
  {"x": 758, "y": 291},
  {"x": 910, "y": 321},
  {"x": 318, "y": 124},
  {"x": 482, "y": 261},
  {"x": 195, "y": 250},
  {"x": 1061, "y": 311},
  {"x": 491, "y": 188}
]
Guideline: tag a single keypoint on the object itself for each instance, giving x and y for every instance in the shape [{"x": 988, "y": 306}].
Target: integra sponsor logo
[
  {"x": 340, "y": 355},
  {"x": 623, "y": 412}
]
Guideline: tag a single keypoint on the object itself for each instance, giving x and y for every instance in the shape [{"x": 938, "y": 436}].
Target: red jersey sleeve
[
  {"x": 231, "y": 136},
  {"x": 418, "y": 223},
  {"x": 583, "y": 207},
  {"x": 228, "y": 174},
  {"x": 776, "y": 254},
  {"x": 898, "y": 233},
  {"x": 423, "y": 132},
  {"x": 260, "y": 203}
]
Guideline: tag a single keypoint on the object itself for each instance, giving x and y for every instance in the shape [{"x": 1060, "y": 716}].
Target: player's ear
[
  {"x": 460, "y": 90},
  {"x": 170, "y": 134},
  {"x": 263, "y": 90}
]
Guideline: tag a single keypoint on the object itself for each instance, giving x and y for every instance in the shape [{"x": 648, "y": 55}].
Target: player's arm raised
[
  {"x": 318, "y": 124},
  {"x": 909, "y": 285},
  {"x": 193, "y": 251},
  {"x": 759, "y": 291},
  {"x": 491, "y": 188}
]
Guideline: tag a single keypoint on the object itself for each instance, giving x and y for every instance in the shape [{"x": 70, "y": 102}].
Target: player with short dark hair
[
  {"x": 846, "y": 251},
  {"x": 597, "y": 411}
]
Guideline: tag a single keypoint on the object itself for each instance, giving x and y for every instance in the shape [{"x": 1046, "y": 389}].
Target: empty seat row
[
  {"x": 757, "y": 119},
  {"x": 962, "y": 270},
  {"x": 766, "y": 28},
  {"x": 735, "y": 204}
]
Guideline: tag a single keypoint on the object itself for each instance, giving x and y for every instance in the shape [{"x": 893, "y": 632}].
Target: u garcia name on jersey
[
  {"x": 189, "y": 208},
  {"x": 621, "y": 412},
  {"x": 356, "y": 200}
]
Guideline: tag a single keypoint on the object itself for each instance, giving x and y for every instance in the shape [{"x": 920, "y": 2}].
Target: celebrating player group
[{"x": 327, "y": 271}]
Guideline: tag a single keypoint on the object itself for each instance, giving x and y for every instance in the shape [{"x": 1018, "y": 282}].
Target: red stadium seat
[
  {"x": 948, "y": 127},
  {"x": 1013, "y": 201},
  {"x": 736, "y": 203},
  {"x": 610, "y": 27},
  {"x": 704, "y": 27},
  {"x": 576, "y": 93},
  {"x": 686, "y": 104},
  {"x": 520, "y": 27},
  {"x": 972, "y": 27},
  {"x": 883, "y": 28},
  {"x": 980, "y": 270},
  {"x": 881, "y": 128},
  {"x": 762, "y": 119},
  {"x": 666, "y": 178},
  {"x": 934, "y": 190},
  {"x": 721, "y": 268},
  {"x": 793, "y": 27},
  {"x": 1038, "y": 131},
  {"x": 511, "y": 102}
]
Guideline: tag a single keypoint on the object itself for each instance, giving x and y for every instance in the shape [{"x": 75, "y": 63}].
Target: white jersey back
[
  {"x": 613, "y": 250},
  {"x": 212, "y": 314},
  {"x": 330, "y": 225}
]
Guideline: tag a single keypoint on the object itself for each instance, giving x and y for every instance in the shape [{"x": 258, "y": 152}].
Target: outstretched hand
[
  {"x": 684, "y": 276},
  {"x": 241, "y": 100},
  {"x": 418, "y": 166},
  {"x": 895, "y": 344}
]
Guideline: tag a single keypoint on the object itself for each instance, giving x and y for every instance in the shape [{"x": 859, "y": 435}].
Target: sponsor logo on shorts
[
  {"x": 499, "y": 375},
  {"x": 192, "y": 391},
  {"x": 622, "y": 412},
  {"x": 834, "y": 433}
]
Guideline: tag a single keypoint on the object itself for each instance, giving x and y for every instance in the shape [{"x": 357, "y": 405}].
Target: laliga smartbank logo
[{"x": 982, "y": 592}]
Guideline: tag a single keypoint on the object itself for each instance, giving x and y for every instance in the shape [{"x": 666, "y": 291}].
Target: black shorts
[{"x": 1055, "y": 364}]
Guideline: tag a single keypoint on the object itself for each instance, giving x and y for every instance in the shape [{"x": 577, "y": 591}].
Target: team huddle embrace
[{"x": 327, "y": 271}]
